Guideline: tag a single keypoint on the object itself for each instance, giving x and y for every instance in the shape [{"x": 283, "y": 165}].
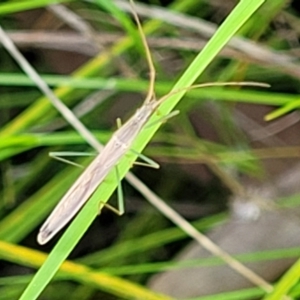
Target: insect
[
  {"x": 108, "y": 158},
  {"x": 105, "y": 161}
]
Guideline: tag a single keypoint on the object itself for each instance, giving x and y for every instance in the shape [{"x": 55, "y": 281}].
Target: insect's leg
[
  {"x": 121, "y": 209},
  {"x": 148, "y": 162},
  {"x": 151, "y": 93},
  {"x": 119, "y": 123},
  {"x": 164, "y": 118},
  {"x": 58, "y": 156}
]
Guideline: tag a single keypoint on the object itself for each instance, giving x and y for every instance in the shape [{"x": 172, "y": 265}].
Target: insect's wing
[{"x": 73, "y": 200}]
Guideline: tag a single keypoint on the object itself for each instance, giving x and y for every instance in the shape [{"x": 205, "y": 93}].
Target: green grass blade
[
  {"x": 121, "y": 288},
  {"x": 286, "y": 283},
  {"x": 17, "y": 6}
]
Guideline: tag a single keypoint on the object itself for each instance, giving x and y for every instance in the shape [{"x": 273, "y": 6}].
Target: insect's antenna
[
  {"x": 212, "y": 84},
  {"x": 150, "y": 94}
]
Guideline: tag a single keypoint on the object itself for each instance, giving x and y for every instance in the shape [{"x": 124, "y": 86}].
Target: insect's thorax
[
  {"x": 128, "y": 132},
  {"x": 143, "y": 114}
]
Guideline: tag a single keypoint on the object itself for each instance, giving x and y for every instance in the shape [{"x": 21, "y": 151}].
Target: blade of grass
[
  {"x": 264, "y": 256},
  {"x": 13, "y": 7},
  {"x": 286, "y": 283},
  {"x": 292, "y": 105},
  {"x": 117, "y": 286},
  {"x": 123, "y": 18},
  {"x": 138, "y": 85}
]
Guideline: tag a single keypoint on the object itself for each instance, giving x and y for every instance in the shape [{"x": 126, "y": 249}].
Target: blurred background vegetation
[{"x": 230, "y": 154}]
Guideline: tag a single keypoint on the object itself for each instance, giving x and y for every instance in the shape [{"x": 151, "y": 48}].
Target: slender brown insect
[
  {"x": 109, "y": 157},
  {"x": 105, "y": 161}
]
